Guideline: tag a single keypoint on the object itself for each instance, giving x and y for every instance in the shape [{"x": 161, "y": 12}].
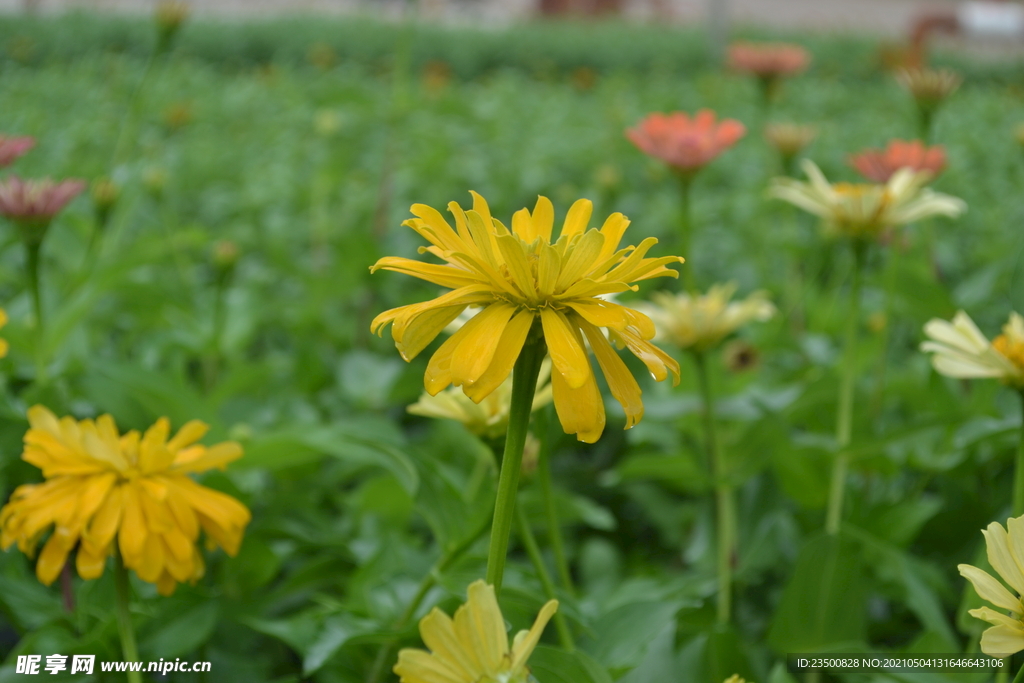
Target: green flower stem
[
  {"x": 33, "y": 249},
  {"x": 725, "y": 526},
  {"x": 524, "y": 385},
  {"x": 891, "y": 285},
  {"x": 1019, "y": 678},
  {"x": 844, "y": 417},
  {"x": 686, "y": 228},
  {"x": 925, "y": 116},
  {"x": 429, "y": 581},
  {"x": 124, "y": 618},
  {"x": 561, "y": 625},
  {"x": 1018, "y": 473},
  {"x": 551, "y": 512}
]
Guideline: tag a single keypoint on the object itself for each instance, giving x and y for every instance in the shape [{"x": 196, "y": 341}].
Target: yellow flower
[
  {"x": 961, "y": 350},
  {"x": 1006, "y": 555},
  {"x": 735, "y": 678},
  {"x": 472, "y": 647},
  {"x": 700, "y": 322},
  {"x": 929, "y": 87},
  {"x": 866, "y": 210},
  {"x": 525, "y": 282},
  {"x": 100, "y": 484},
  {"x": 3, "y": 342},
  {"x": 489, "y": 418}
]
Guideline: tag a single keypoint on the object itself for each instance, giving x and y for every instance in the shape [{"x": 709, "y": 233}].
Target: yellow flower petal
[
  {"x": 505, "y": 355},
  {"x": 477, "y": 347},
  {"x": 565, "y": 348},
  {"x": 990, "y": 589}
]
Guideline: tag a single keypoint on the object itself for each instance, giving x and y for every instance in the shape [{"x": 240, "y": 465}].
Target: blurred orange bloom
[
  {"x": 36, "y": 201},
  {"x": 683, "y": 143},
  {"x": 12, "y": 148},
  {"x": 768, "y": 59},
  {"x": 878, "y": 165}
]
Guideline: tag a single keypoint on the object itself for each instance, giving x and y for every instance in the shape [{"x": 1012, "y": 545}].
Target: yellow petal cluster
[
  {"x": 866, "y": 211},
  {"x": 489, "y": 418},
  {"x": 701, "y": 321},
  {"x": 473, "y": 647},
  {"x": 134, "y": 489},
  {"x": 3, "y": 342},
  {"x": 523, "y": 281},
  {"x": 1005, "y": 548},
  {"x": 960, "y": 350}
]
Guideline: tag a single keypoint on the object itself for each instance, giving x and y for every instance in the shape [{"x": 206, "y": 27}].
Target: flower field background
[{"x": 261, "y": 169}]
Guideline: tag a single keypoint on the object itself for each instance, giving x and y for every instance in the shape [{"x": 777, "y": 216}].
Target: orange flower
[
  {"x": 878, "y": 165},
  {"x": 685, "y": 144},
  {"x": 768, "y": 60}
]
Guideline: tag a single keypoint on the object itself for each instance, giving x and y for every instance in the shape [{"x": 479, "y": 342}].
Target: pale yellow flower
[
  {"x": 735, "y": 678},
  {"x": 489, "y": 418},
  {"x": 866, "y": 210},
  {"x": 960, "y": 349},
  {"x": 700, "y": 321},
  {"x": 1006, "y": 555},
  {"x": 473, "y": 647}
]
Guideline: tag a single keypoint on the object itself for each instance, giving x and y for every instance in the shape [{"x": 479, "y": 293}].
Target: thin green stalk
[
  {"x": 891, "y": 283},
  {"x": 129, "y": 649},
  {"x": 429, "y": 581},
  {"x": 1018, "y": 473},
  {"x": 686, "y": 228},
  {"x": 725, "y": 526},
  {"x": 844, "y": 417},
  {"x": 561, "y": 625},
  {"x": 551, "y": 513},
  {"x": 1019, "y": 678},
  {"x": 33, "y": 250},
  {"x": 925, "y": 116},
  {"x": 524, "y": 385}
]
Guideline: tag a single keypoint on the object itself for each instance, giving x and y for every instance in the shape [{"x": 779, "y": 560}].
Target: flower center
[{"x": 1012, "y": 349}]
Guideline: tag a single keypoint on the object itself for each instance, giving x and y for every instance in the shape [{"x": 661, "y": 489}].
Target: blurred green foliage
[{"x": 303, "y": 143}]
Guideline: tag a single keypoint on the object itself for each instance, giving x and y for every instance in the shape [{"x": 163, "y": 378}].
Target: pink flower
[
  {"x": 36, "y": 201},
  {"x": 683, "y": 143},
  {"x": 12, "y": 148},
  {"x": 768, "y": 60},
  {"x": 878, "y": 165}
]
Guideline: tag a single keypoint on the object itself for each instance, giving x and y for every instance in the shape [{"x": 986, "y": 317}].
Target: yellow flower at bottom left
[{"x": 134, "y": 489}]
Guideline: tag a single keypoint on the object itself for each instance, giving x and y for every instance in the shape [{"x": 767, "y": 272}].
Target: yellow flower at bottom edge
[
  {"x": 735, "y": 678},
  {"x": 3, "y": 342},
  {"x": 524, "y": 281},
  {"x": 1006, "y": 555},
  {"x": 101, "y": 485},
  {"x": 473, "y": 647}
]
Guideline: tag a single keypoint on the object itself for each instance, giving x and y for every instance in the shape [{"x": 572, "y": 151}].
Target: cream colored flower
[
  {"x": 700, "y": 322},
  {"x": 866, "y": 210},
  {"x": 489, "y": 418},
  {"x": 1006, "y": 555},
  {"x": 472, "y": 647},
  {"x": 960, "y": 349}
]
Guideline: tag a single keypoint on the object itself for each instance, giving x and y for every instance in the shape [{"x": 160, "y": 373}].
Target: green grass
[{"x": 352, "y": 498}]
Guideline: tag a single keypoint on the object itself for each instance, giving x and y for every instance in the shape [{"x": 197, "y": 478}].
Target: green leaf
[
  {"x": 348, "y": 441},
  {"x": 182, "y": 633},
  {"x": 659, "y": 664},
  {"x": 336, "y": 631},
  {"x": 823, "y": 605},
  {"x": 682, "y": 472},
  {"x": 551, "y": 665},
  {"x": 622, "y": 636}
]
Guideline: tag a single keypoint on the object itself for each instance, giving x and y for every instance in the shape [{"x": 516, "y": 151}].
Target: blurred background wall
[{"x": 884, "y": 17}]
